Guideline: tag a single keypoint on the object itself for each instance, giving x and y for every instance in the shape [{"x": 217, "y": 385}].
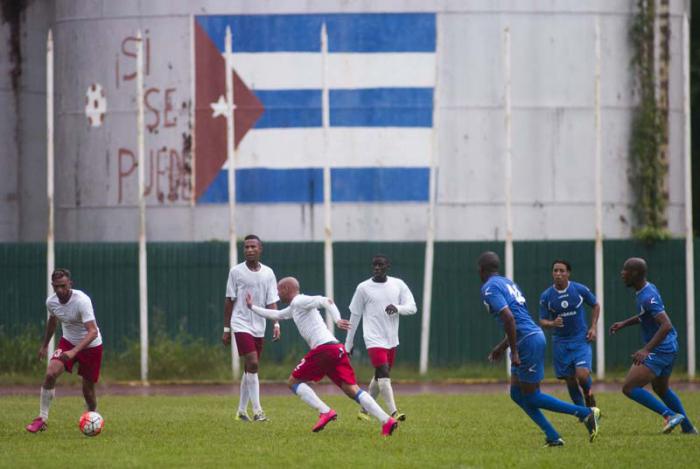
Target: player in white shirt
[
  {"x": 259, "y": 280},
  {"x": 380, "y": 300},
  {"x": 327, "y": 356},
  {"x": 81, "y": 342}
]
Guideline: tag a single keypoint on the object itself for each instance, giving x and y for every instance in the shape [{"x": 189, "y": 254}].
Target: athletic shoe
[
  {"x": 363, "y": 415},
  {"x": 552, "y": 443},
  {"x": 672, "y": 421},
  {"x": 323, "y": 420},
  {"x": 389, "y": 427},
  {"x": 260, "y": 417},
  {"x": 591, "y": 423},
  {"x": 692, "y": 431},
  {"x": 590, "y": 400},
  {"x": 400, "y": 416},
  {"x": 37, "y": 425},
  {"x": 242, "y": 416}
]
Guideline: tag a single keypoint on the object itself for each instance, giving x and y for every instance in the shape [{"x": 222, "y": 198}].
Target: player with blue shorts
[
  {"x": 562, "y": 310},
  {"x": 653, "y": 363},
  {"x": 526, "y": 340}
]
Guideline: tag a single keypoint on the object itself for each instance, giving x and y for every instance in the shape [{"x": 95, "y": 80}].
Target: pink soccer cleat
[
  {"x": 389, "y": 427},
  {"x": 37, "y": 425},
  {"x": 323, "y": 420}
]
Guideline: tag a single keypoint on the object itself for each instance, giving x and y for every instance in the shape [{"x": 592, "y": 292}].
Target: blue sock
[
  {"x": 545, "y": 401},
  {"x": 534, "y": 413},
  {"x": 575, "y": 393},
  {"x": 673, "y": 402},
  {"x": 587, "y": 384},
  {"x": 645, "y": 398}
]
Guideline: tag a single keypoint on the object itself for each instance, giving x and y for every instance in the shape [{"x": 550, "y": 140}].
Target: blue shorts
[
  {"x": 571, "y": 355},
  {"x": 531, "y": 351},
  {"x": 661, "y": 364}
]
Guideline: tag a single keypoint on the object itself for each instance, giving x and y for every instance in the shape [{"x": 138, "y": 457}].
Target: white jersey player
[
  {"x": 327, "y": 356},
  {"x": 258, "y": 280},
  {"x": 81, "y": 343},
  {"x": 380, "y": 300}
]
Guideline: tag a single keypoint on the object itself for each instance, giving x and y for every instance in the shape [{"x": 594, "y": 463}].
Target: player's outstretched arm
[
  {"x": 50, "y": 330},
  {"x": 622, "y": 324}
]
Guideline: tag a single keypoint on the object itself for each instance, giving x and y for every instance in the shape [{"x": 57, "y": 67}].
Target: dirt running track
[{"x": 137, "y": 389}]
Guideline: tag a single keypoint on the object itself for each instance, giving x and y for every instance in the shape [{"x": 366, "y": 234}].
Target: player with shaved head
[
  {"x": 505, "y": 302},
  {"x": 327, "y": 356},
  {"x": 653, "y": 363}
]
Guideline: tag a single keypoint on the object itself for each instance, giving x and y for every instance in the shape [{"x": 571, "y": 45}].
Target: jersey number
[{"x": 515, "y": 293}]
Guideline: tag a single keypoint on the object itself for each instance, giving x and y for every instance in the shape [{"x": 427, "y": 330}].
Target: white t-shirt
[
  {"x": 262, "y": 284},
  {"x": 370, "y": 301},
  {"x": 304, "y": 311},
  {"x": 73, "y": 316}
]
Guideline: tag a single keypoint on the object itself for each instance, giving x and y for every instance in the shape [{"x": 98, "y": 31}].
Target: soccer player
[
  {"x": 653, "y": 363},
  {"x": 526, "y": 340},
  {"x": 380, "y": 300},
  {"x": 561, "y": 309},
  {"x": 259, "y": 280},
  {"x": 327, "y": 356},
  {"x": 81, "y": 342}
]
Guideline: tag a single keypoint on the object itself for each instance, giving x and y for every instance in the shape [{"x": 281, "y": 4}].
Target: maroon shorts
[
  {"x": 326, "y": 360},
  {"x": 381, "y": 356},
  {"x": 246, "y": 343},
  {"x": 89, "y": 359}
]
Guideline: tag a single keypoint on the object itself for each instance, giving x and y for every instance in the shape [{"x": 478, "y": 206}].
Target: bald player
[{"x": 653, "y": 363}]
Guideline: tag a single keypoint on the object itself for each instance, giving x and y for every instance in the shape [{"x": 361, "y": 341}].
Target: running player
[
  {"x": 526, "y": 340},
  {"x": 327, "y": 356},
  {"x": 380, "y": 300},
  {"x": 562, "y": 310},
  {"x": 252, "y": 277},
  {"x": 81, "y": 343},
  {"x": 653, "y": 363}
]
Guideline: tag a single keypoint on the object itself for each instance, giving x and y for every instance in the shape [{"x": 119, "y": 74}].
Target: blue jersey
[
  {"x": 567, "y": 304},
  {"x": 649, "y": 305},
  {"x": 499, "y": 292}
]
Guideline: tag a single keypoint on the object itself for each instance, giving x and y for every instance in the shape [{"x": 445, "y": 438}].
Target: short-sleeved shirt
[
  {"x": 499, "y": 292},
  {"x": 649, "y": 305},
  {"x": 262, "y": 285},
  {"x": 73, "y": 315},
  {"x": 567, "y": 304}
]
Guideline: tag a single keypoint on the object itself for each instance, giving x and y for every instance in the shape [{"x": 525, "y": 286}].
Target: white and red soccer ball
[{"x": 91, "y": 423}]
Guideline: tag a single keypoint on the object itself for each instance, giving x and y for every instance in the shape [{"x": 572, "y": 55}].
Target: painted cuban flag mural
[{"x": 380, "y": 77}]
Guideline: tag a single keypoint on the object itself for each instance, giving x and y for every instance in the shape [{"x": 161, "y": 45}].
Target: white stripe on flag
[
  {"x": 349, "y": 147},
  {"x": 302, "y": 70}
]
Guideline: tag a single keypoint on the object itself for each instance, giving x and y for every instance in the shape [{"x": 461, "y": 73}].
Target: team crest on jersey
[{"x": 564, "y": 304}]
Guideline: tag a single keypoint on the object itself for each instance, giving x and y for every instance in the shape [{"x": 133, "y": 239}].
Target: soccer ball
[{"x": 91, "y": 423}]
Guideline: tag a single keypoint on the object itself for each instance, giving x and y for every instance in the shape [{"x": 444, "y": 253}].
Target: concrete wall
[{"x": 553, "y": 127}]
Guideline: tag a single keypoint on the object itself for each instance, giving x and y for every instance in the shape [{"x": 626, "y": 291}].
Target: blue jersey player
[
  {"x": 652, "y": 363},
  {"x": 562, "y": 310},
  {"x": 506, "y": 303}
]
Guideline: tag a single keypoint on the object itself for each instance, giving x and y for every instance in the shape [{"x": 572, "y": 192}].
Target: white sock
[
  {"x": 243, "y": 403},
  {"x": 373, "y": 388},
  {"x": 387, "y": 393},
  {"x": 371, "y": 406},
  {"x": 308, "y": 395},
  {"x": 45, "y": 402},
  {"x": 254, "y": 392}
]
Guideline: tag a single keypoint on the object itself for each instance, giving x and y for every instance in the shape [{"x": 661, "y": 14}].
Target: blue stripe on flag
[
  {"x": 290, "y": 108},
  {"x": 361, "y": 32},
  {"x": 382, "y": 107},
  {"x": 305, "y": 185}
]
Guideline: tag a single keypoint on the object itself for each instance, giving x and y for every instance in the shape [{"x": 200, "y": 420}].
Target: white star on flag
[{"x": 220, "y": 107}]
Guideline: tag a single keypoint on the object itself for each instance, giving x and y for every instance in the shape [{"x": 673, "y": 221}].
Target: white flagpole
[
  {"x": 143, "y": 270},
  {"x": 689, "y": 247},
  {"x": 430, "y": 234},
  {"x": 327, "y": 222},
  {"x": 599, "y": 267},
  {"x": 50, "y": 252},
  {"x": 508, "y": 161},
  {"x": 231, "y": 154}
]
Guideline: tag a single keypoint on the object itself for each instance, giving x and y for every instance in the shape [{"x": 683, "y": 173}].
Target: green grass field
[{"x": 441, "y": 431}]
